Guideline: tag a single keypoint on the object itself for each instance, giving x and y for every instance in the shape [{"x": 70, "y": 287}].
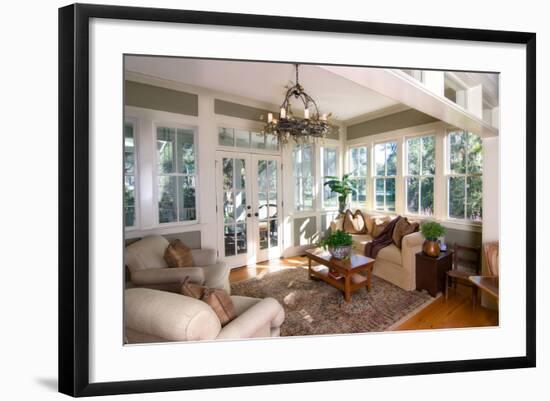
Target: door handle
[
  {"x": 248, "y": 215},
  {"x": 256, "y": 214}
]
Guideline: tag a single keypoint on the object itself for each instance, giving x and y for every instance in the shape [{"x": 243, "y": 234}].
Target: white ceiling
[{"x": 266, "y": 82}]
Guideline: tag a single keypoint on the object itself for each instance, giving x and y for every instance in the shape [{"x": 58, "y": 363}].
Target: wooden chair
[{"x": 466, "y": 263}]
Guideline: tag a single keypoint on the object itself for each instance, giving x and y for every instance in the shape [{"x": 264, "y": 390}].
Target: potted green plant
[
  {"x": 338, "y": 244},
  {"x": 343, "y": 187},
  {"x": 431, "y": 230}
]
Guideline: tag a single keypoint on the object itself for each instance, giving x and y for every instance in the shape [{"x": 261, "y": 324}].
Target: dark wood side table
[{"x": 430, "y": 271}]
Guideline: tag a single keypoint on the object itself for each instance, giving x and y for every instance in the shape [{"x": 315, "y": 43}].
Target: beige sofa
[
  {"x": 145, "y": 260},
  {"x": 392, "y": 264},
  {"x": 160, "y": 316}
]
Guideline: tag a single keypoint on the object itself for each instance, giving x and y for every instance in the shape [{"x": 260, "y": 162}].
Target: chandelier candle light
[{"x": 313, "y": 125}]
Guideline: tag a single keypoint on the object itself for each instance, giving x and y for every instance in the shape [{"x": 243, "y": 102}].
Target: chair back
[
  {"x": 491, "y": 251},
  {"x": 467, "y": 257},
  {"x": 147, "y": 253}
]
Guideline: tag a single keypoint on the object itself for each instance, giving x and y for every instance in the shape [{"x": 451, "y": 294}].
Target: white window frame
[
  {"x": 134, "y": 122},
  {"x": 449, "y": 174},
  {"x": 156, "y": 175},
  {"x": 295, "y": 176},
  {"x": 321, "y": 172},
  {"x": 385, "y": 177},
  {"x": 366, "y": 177},
  {"x": 419, "y": 176}
]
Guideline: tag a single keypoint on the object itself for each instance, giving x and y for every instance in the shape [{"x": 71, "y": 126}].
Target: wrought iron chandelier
[{"x": 301, "y": 130}]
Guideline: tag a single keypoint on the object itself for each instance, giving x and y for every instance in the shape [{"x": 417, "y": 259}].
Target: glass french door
[{"x": 249, "y": 207}]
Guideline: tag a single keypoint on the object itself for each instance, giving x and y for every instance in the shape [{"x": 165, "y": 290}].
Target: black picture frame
[{"x": 74, "y": 201}]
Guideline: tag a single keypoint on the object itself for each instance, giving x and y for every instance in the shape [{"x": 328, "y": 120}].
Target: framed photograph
[{"x": 252, "y": 199}]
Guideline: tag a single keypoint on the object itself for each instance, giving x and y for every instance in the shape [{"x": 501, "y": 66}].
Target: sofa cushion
[
  {"x": 147, "y": 253},
  {"x": 379, "y": 224},
  {"x": 359, "y": 241},
  {"x": 177, "y": 254},
  {"x": 391, "y": 253},
  {"x": 403, "y": 227},
  {"x": 218, "y": 299},
  {"x": 354, "y": 223}
]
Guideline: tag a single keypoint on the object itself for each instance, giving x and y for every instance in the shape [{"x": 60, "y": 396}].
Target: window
[
  {"x": 464, "y": 181},
  {"x": 358, "y": 170},
  {"x": 385, "y": 159},
  {"x": 303, "y": 177},
  {"x": 246, "y": 139},
  {"x": 129, "y": 175},
  {"x": 176, "y": 174},
  {"x": 419, "y": 179},
  {"x": 329, "y": 168}
]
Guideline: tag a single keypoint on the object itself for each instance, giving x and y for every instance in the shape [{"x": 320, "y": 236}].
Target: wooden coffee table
[{"x": 349, "y": 269}]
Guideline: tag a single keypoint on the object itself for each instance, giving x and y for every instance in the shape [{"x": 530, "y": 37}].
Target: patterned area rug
[{"x": 313, "y": 307}]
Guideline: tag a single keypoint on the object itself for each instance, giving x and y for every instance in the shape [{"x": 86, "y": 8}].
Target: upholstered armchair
[
  {"x": 160, "y": 316},
  {"x": 145, "y": 261}
]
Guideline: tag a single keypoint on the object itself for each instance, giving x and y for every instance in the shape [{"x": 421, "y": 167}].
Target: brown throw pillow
[
  {"x": 218, "y": 299},
  {"x": 403, "y": 227},
  {"x": 379, "y": 223},
  {"x": 354, "y": 223},
  {"x": 177, "y": 254}
]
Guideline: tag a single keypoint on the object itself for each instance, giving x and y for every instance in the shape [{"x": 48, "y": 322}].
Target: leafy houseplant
[
  {"x": 343, "y": 188},
  {"x": 431, "y": 230},
  {"x": 338, "y": 244}
]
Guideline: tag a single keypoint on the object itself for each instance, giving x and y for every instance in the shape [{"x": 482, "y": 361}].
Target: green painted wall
[
  {"x": 392, "y": 122},
  {"x": 157, "y": 98}
]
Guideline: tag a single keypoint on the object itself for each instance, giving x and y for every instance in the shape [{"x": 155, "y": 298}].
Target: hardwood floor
[{"x": 456, "y": 312}]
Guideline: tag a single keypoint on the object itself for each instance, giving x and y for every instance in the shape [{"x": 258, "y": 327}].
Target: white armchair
[
  {"x": 159, "y": 316},
  {"x": 145, "y": 261}
]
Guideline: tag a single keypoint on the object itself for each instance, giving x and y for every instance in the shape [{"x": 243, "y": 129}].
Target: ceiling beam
[{"x": 401, "y": 87}]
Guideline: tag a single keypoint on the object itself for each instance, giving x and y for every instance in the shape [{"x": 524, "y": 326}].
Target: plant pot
[
  {"x": 431, "y": 248},
  {"x": 340, "y": 252}
]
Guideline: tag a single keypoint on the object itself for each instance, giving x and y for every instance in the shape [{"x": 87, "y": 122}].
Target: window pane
[
  {"x": 391, "y": 158},
  {"x": 240, "y": 174},
  {"x": 308, "y": 193},
  {"x": 228, "y": 207},
  {"x": 427, "y": 195},
  {"x": 457, "y": 153},
  {"x": 271, "y": 142},
  {"x": 167, "y": 199},
  {"x": 129, "y": 149},
  {"x": 240, "y": 206},
  {"x": 456, "y": 197},
  {"x": 165, "y": 150},
  {"x": 240, "y": 233},
  {"x": 380, "y": 159},
  {"x": 262, "y": 175},
  {"x": 229, "y": 240},
  {"x": 380, "y": 188},
  {"x": 272, "y": 175},
  {"x": 413, "y": 156},
  {"x": 273, "y": 234},
  {"x": 226, "y": 137},
  {"x": 187, "y": 211},
  {"x": 242, "y": 138},
  {"x": 390, "y": 194},
  {"x": 186, "y": 151},
  {"x": 129, "y": 201},
  {"x": 329, "y": 162},
  {"x": 361, "y": 195},
  {"x": 475, "y": 154},
  {"x": 263, "y": 208},
  {"x": 262, "y": 229},
  {"x": 272, "y": 212},
  {"x": 307, "y": 160},
  {"x": 227, "y": 174},
  {"x": 413, "y": 192},
  {"x": 258, "y": 140},
  {"x": 474, "y": 201},
  {"x": 428, "y": 155},
  {"x": 330, "y": 199}
]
